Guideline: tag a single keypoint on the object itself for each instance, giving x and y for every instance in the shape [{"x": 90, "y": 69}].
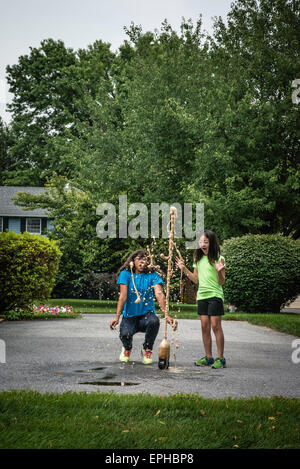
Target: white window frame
[
  {"x": 1, "y": 224},
  {"x": 34, "y": 232}
]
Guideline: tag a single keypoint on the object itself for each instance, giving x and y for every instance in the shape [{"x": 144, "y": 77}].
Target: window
[
  {"x": 33, "y": 225},
  {"x": 1, "y": 224}
]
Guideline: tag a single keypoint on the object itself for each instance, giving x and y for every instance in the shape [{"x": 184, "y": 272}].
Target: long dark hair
[
  {"x": 133, "y": 256},
  {"x": 214, "y": 248}
]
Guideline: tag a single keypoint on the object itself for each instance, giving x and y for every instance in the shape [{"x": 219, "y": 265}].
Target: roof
[{"x": 9, "y": 209}]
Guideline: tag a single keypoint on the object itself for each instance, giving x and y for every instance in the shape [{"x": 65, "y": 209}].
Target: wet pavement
[{"x": 82, "y": 355}]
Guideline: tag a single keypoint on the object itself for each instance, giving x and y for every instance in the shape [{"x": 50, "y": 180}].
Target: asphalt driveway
[{"x": 82, "y": 355}]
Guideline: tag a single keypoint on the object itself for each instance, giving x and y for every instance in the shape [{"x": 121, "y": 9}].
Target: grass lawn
[
  {"x": 110, "y": 421},
  {"x": 284, "y": 322},
  {"x": 288, "y": 323}
]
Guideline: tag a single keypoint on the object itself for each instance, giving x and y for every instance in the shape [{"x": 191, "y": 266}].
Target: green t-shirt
[{"x": 208, "y": 285}]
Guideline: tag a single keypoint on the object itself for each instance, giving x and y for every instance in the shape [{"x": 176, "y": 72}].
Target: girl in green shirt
[{"x": 209, "y": 274}]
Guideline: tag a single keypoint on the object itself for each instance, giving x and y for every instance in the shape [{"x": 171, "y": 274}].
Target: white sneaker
[
  {"x": 147, "y": 356},
  {"x": 125, "y": 355}
]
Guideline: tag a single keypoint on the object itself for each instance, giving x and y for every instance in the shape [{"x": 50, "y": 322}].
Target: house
[{"x": 15, "y": 218}]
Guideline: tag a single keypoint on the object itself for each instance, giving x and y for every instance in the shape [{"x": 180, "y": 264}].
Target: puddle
[
  {"x": 112, "y": 383},
  {"x": 90, "y": 370},
  {"x": 109, "y": 376},
  {"x": 117, "y": 375}
]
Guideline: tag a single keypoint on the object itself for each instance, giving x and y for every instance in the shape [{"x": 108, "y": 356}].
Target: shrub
[
  {"x": 262, "y": 272},
  {"x": 100, "y": 285},
  {"x": 28, "y": 265}
]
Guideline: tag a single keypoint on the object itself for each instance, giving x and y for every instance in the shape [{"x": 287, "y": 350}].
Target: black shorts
[{"x": 211, "y": 307}]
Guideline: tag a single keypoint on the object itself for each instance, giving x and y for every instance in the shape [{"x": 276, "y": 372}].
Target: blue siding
[{"x": 14, "y": 224}]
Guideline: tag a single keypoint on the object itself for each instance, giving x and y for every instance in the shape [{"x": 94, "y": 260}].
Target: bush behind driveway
[
  {"x": 262, "y": 272},
  {"x": 28, "y": 266}
]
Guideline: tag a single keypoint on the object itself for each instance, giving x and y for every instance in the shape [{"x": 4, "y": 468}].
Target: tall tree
[
  {"x": 160, "y": 111},
  {"x": 6, "y": 163},
  {"x": 247, "y": 169},
  {"x": 50, "y": 86},
  {"x": 142, "y": 140}
]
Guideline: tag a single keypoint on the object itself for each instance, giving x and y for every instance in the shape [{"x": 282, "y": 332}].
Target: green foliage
[
  {"x": 287, "y": 323},
  {"x": 5, "y": 141},
  {"x": 161, "y": 111},
  {"x": 170, "y": 117},
  {"x": 100, "y": 420},
  {"x": 247, "y": 165},
  {"x": 262, "y": 272},
  {"x": 51, "y": 87},
  {"x": 28, "y": 265}
]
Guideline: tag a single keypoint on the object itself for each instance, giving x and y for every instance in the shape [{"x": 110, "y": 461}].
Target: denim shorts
[{"x": 211, "y": 307}]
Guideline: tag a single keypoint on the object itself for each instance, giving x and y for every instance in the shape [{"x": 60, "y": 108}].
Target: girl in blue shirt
[{"x": 139, "y": 284}]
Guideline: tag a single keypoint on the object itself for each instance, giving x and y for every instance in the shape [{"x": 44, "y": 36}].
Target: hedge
[
  {"x": 28, "y": 266},
  {"x": 262, "y": 272}
]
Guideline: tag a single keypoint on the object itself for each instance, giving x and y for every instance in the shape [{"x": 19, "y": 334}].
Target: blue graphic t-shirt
[{"x": 144, "y": 284}]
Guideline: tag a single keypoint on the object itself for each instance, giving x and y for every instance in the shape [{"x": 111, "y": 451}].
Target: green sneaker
[
  {"x": 219, "y": 363},
  {"x": 147, "y": 356},
  {"x": 125, "y": 355},
  {"x": 205, "y": 361}
]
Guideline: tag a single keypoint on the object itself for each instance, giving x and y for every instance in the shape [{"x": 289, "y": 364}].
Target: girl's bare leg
[
  {"x": 206, "y": 335},
  {"x": 218, "y": 331}
]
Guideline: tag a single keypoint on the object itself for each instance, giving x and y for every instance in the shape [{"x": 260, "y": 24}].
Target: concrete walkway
[{"x": 62, "y": 355}]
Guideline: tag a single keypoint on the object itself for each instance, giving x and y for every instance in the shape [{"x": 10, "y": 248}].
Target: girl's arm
[
  {"x": 193, "y": 276},
  {"x": 120, "y": 305},
  {"x": 161, "y": 299},
  {"x": 220, "y": 267}
]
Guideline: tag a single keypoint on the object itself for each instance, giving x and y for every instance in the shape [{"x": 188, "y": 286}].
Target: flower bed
[{"x": 54, "y": 310}]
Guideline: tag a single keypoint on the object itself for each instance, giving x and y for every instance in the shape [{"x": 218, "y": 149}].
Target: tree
[
  {"x": 50, "y": 87},
  {"x": 5, "y": 142},
  {"x": 160, "y": 111},
  {"x": 247, "y": 166}
]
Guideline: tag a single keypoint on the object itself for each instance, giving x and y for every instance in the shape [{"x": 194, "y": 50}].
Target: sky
[{"x": 78, "y": 23}]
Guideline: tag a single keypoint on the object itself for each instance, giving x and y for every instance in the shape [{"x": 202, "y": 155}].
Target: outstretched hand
[
  {"x": 180, "y": 263},
  {"x": 173, "y": 322},
  {"x": 220, "y": 266}
]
